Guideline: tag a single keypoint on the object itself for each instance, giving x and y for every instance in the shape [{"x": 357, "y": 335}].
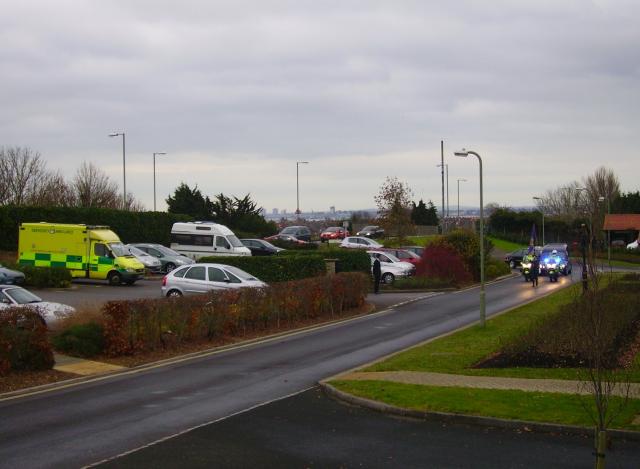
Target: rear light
[{"x": 164, "y": 281}]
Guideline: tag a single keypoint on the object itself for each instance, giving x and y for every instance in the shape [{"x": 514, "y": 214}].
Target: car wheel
[
  {"x": 388, "y": 278},
  {"x": 174, "y": 294},
  {"x": 169, "y": 267},
  {"x": 512, "y": 264},
  {"x": 114, "y": 278}
]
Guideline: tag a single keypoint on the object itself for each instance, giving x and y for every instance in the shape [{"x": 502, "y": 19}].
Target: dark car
[
  {"x": 302, "y": 233},
  {"x": 260, "y": 247},
  {"x": 371, "y": 231},
  {"x": 333, "y": 232},
  {"x": 286, "y": 238},
  {"x": 514, "y": 259},
  {"x": 10, "y": 277}
]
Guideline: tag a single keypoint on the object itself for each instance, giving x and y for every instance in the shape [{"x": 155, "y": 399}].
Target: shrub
[
  {"x": 467, "y": 245},
  {"x": 290, "y": 246},
  {"x": 132, "y": 326},
  {"x": 442, "y": 261},
  {"x": 496, "y": 268},
  {"x": 348, "y": 260},
  {"x": 83, "y": 340},
  {"x": 274, "y": 268},
  {"x": 564, "y": 337},
  {"x": 23, "y": 341},
  {"x": 45, "y": 277}
]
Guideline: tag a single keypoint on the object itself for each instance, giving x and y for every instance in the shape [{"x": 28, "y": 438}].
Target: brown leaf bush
[
  {"x": 151, "y": 324},
  {"x": 24, "y": 344}
]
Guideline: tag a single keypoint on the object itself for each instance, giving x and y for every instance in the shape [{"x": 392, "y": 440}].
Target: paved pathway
[{"x": 486, "y": 382}]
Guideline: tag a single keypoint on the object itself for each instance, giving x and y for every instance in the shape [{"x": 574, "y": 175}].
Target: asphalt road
[
  {"x": 311, "y": 430},
  {"x": 97, "y": 420}
]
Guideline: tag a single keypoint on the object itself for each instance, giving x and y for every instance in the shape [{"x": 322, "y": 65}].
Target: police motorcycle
[
  {"x": 552, "y": 266},
  {"x": 526, "y": 267}
]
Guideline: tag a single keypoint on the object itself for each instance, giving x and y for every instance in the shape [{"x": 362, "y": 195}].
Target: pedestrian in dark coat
[
  {"x": 535, "y": 271},
  {"x": 377, "y": 274}
]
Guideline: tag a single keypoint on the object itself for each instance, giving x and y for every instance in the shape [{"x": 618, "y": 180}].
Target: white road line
[{"x": 182, "y": 432}]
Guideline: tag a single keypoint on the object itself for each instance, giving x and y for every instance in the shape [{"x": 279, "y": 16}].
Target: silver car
[
  {"x": 201, "y": 278},
  {"x": 12, "y": 297},
  {"x": 151, "y": 263}
]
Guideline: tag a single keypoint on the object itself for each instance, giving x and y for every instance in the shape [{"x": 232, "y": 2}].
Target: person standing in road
[
  {"x": 377, "y": 273},
  {"x": 535, "y": 270}
]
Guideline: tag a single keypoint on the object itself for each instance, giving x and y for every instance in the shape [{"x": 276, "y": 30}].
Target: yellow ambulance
[{"x": 86, "y": 251}]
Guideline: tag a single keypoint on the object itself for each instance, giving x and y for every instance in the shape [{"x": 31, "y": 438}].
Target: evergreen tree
[
  {"x": 432, "y": 215},
  {"x": 419, "y": 213},
  {"x": 189, "y": 201}
]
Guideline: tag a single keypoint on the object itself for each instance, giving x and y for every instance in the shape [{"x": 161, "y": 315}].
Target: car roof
[{"x": 208, "y": 264}]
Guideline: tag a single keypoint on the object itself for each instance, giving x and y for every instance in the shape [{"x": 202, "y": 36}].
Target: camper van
[{"x": 204, "y": 238}]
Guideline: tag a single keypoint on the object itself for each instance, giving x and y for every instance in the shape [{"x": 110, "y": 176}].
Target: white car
[
  {"x": 359, "y": 242},
  {"x": 12, "y": 297},
  {"x": 201, "y": 278},
  {"x": 633, "y": 245},
  {"x": 150, "y": 262},
  {"x": 391, "y": 266}
]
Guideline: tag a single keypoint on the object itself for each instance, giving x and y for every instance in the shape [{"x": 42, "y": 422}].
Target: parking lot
[{"x": 93, "y": 293}]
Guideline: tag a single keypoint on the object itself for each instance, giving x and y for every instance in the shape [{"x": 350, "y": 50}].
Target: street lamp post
[
  {"x": 601, "y": 199},
  {"x": 585, "y": 240},
  {"x": 465, "y": 153},
  {"x": 542, "y": 212},
  {"x": 463, "y": 180},
  {"x": 446, "y": 168},
  {"x": 298, "y": 163},
  {"x": 124, "y": 172},
  {"x": 154, "y": 176}
]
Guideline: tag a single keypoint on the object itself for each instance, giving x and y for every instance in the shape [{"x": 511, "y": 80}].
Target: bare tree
[
  {"x": 53, "y": 191},
  {"x": 606, "y": 382},
  {"x": 22, "y": 172},
  {"x": 603, "y": 183},
  {"x": 564, "y": 201},
  {"x": 93, "y": 188},
  {"x": 394, "y": 207}
]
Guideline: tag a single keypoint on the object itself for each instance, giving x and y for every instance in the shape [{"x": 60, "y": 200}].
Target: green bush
[
  {"x": 467, "y": 244},
  {"x": 348, "y": 260},
  {"x": 496, "y": 268},
  {"x": 288, "y": 245},
  {"x": 45, "y": 277},
  {"x": 82, "y": 340},
  {"x": 274, "y": 268},
  {"x": 23, "y": 341}
]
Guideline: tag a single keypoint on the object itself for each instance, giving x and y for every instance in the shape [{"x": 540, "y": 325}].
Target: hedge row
[
  {"x": 44, "y": 277},
  {"x": 23, "y": 341},
  {"x": 151, "y": 324},
  {"x": 152, "y": 227},
  {"x": 348, "y": 260},
  {"x": 274, "y": 268}
]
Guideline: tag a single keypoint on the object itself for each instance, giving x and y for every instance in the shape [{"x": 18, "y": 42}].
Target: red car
[
  {"x": 403, "y": 254},
  {"x": 334, "y": 232}
]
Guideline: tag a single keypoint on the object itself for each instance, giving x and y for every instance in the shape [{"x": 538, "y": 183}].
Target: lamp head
[
  {"x": 302, "y": 162},
  {"x": 159, "y": 153},
  {"x": 114, "y": 135},
  {"x": 462, "y": 152}
]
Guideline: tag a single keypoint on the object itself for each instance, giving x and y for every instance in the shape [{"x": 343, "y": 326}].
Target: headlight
[{"x": 526, "y": 265}]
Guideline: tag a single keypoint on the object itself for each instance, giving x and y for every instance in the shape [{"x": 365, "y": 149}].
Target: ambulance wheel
[
  {"x": 388, "y": 278},
  {"x": 114, "y": 278}
]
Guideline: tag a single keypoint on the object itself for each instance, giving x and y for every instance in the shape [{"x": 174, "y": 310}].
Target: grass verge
[
  {"x": 458, "y": 352},
  {"x": 566, "y": 409},
  {"x": 505, "y": 246}
]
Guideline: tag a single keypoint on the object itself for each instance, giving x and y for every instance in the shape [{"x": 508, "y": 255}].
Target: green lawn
[
  {"x": 410, "y": 241},
  {"x": 505, "y": 246},
  {"x": 457, "y": 353},
  {"x": 568, "y": 409}
]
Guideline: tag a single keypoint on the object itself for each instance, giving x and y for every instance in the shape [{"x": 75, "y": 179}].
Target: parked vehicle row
[
  {"x": 201, "y": 278},
  {"x": 10, "y": 277},
  {"x": 17, "y": 297}
]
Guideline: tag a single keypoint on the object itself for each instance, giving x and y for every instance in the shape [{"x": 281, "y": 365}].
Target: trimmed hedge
[
  {"x": 349, "y": 260},
  {"x": 23, "y": 341},
  {"x": 274, "y": 268},
  {"x": 81, "y": 340},
  {"x": 151, "y": 227},
  {"x": 45, "y": 277},
  {"x": 151, "y": 324}
]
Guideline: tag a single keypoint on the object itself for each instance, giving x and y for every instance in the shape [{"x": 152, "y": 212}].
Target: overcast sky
[{"x": 237, "y": 92}]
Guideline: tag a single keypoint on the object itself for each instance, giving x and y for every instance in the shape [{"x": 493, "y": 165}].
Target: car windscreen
[
  {"x": 369, "y": 228},
  {"x": 166, "y": 251},
  {"x": 292, "y": 230},
  {"x": 137, "y": 252},
  {"x": 119, "y": 249},
  {"x": 234, "y": 241},
  {"x": 240, "y": 273},
  {"x": 332, "y": 229},
  {"x": 22, "y": 296}
]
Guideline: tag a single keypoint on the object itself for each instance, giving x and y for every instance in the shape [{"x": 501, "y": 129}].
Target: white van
[{"x": 204, "y": 238}]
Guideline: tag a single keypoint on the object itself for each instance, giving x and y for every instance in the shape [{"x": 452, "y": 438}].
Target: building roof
[{"x": 621, "y": 222}]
